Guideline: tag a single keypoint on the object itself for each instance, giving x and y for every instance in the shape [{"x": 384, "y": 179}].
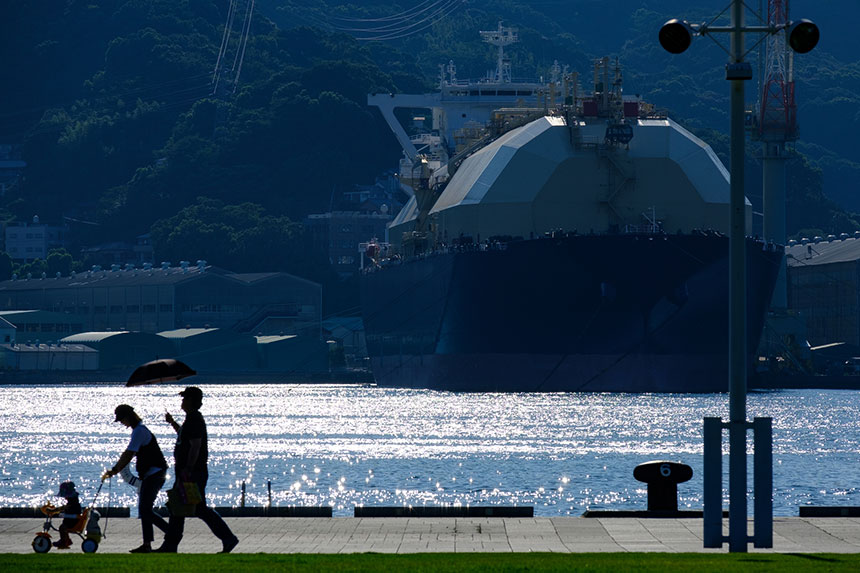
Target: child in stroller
[
  {"x": 83, "y": 523},
  {"x": 70, "y": 512}
]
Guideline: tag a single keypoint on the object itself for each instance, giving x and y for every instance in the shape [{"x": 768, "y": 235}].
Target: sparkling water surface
[{"x": 346, "y": 446}]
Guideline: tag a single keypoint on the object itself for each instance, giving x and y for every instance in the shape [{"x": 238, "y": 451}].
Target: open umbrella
[{"x": 164, "y": 370}]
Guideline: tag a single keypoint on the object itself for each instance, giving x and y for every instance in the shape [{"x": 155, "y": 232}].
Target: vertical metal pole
[
  {"x": 269, "y": 487},
  {"x": 737, "y": 304},
  {"x": 712, "y": 478},
  {"x": 763, "y": 482},
  {"x": 242, "y": 503}
]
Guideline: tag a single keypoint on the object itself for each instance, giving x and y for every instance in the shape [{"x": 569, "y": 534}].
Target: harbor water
[{"x": 348, "y": 445}]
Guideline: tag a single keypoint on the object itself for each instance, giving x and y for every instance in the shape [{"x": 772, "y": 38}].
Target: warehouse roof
[
  {"x": 66, "y": 348},
  {"x": 824, "y": 252},
  {"x": 84, "y": 337},
  {"x": 117, "y": 277},
  {"x": 17, "y": 317},
  {"x": 185, "y": 332},
  {"x": 269, "y": 339}
]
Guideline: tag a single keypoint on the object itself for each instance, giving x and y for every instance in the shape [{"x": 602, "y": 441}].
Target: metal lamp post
[{"x": 675, "y": 37}]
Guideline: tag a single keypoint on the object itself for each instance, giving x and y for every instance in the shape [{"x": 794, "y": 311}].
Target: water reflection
[{"x": 347, "y": 445}]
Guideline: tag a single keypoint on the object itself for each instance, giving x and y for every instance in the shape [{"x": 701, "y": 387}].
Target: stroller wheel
[
  {"x": 42, "y": 544},
  {"x": 89, "y": 546}
]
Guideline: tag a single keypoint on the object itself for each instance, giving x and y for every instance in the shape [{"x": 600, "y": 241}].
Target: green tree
[
  {"x": 33, "y": 269},
  {"x": 59, "y": 261},
  {"x": 237, "y": 237}
]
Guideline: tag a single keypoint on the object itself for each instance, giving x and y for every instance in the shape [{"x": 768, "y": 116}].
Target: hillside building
[
  {"x": 107, "y": 254},
  {"x": 29, "y": 241}
]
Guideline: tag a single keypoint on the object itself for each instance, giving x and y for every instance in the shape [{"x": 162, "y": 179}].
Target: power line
[
  {"x": 440, "y": 14},
  {"x": 400, "y": 16},
  {"x": 403, "y": 24}
]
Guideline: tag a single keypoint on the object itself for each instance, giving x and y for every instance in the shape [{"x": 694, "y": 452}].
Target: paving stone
[{"x": 465, "y": 535}]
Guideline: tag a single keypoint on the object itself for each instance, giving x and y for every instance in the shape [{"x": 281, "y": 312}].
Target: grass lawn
[{"x": 478, "y": 562}]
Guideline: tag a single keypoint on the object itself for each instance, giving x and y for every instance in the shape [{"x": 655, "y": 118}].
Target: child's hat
[{"x": 67, "y": 488}]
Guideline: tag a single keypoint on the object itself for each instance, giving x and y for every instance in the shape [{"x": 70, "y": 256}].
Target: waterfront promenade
[{"x": 459, "y": 535}]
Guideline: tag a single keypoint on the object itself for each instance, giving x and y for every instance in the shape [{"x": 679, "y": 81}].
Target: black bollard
[{"x": 663, "y": 478}]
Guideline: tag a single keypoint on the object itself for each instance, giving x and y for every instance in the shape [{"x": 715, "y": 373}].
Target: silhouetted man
[{"x": 191, "y": 455}]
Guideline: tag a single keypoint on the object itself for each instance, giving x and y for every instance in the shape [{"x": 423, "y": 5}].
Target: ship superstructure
[{"x": 463, "y": 108}]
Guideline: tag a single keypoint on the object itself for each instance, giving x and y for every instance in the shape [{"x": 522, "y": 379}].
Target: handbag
[
  {"x": 189, "y": 492},
  {"x": 176, "y": 505}
]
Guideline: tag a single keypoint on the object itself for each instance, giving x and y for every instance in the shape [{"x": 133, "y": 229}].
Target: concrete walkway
[{"x": 460, "y": 535}]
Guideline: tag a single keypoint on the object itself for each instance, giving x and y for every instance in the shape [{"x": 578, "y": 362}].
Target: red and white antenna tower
[
  {"x": 778, "y": 113},
  {"x": 776, "y": 125}
]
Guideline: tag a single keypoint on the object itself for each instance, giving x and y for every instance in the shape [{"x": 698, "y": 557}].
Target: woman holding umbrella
[{"x": 151, "y": 467}]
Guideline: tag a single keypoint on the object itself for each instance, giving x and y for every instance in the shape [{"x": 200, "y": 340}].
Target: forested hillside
[{"x": 124, "y": 132}]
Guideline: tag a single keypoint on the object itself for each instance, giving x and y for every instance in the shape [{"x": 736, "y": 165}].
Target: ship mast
[{"x": 501, "y": 37}]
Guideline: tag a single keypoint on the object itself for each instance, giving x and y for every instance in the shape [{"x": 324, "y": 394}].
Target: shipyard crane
[{"x": 774, "y": 123}]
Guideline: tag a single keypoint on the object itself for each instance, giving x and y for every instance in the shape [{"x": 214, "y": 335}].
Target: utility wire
[
  {"x": 400, "y": 16},
  {"x": 403, "y": 26},
  {"x": 389, "y": 24},
  {"x": 416, "y": 27}
]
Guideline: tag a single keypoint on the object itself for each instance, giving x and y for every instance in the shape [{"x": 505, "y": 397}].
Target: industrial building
[
  {"x": 122, "y": 349},
  {"x": 151, "y": 299},
  {"x": 45, "y": 357},
  {"x": 40, "y": 326},
  {"x": 823, "y": 281},
  {"x": 339, "y": 234},
  {"x": 347, "y": 332},
  {"x": 360, "y": 215},
  {"x": 292, "y": 354},
  {"x": 214, "y": 348}
]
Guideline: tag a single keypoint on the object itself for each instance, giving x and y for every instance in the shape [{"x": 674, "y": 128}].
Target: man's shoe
[
  {"x": 62, "y": 544},
  {"x": 141, "y": 549},
  {"x": 164, "y": 549},
  {"x": 230, "y": 544}
]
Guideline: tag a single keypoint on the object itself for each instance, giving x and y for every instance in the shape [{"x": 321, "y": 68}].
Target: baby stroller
[{"x": 86, "y": 527}]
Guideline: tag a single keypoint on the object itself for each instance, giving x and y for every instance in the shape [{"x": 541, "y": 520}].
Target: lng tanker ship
[{"x": 583, "y": 250}]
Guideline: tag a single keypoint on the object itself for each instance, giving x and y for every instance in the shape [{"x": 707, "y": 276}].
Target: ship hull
[{"x": 602, "y": 313}]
